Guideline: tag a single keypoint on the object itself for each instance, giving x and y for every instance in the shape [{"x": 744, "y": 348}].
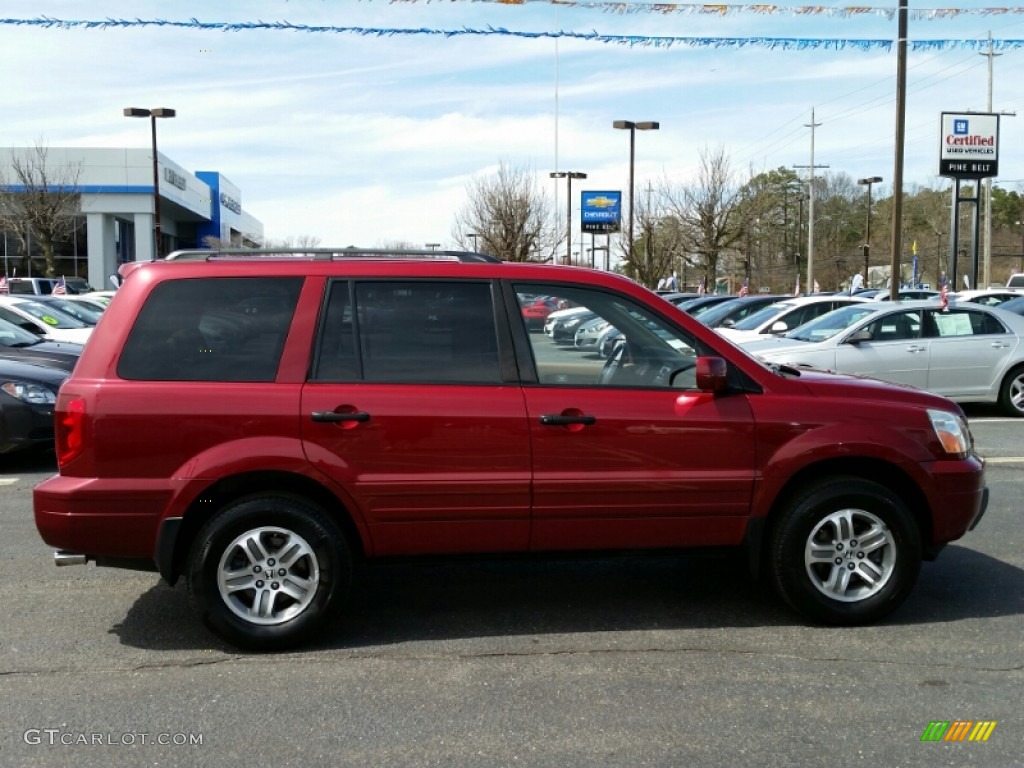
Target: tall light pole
[
  {"x": 867, "y": 234},
  {"x": 474, "y": 236},
  {"x": 633, "y": 128},
  {"x": 153, "y": 114},
  {"x": 568, "y": 176}
]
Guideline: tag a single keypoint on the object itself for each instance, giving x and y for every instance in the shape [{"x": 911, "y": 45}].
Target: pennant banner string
[
  {"x": 728, "y": 9},
  {"x": 659, "y": 41}
]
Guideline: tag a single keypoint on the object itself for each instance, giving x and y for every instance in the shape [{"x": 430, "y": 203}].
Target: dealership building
[{"x": 116, "y": 223}]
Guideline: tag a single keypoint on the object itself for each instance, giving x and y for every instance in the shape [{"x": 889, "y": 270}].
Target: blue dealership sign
[{"x": 600, "y": 211}]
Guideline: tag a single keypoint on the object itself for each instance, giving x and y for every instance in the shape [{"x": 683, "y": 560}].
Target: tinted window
[
  {"x": 211, "y": 329},
  {"x": 425, "y": 332}
]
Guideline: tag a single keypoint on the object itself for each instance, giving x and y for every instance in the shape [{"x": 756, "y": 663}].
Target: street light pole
[
  {"x": 867, "y": 235},
  {"x": 633, "y": 128},
  {"x": 568, "y": 176},
  {"x": 473, "y": 235},
  {"x": 153, "y": 114}
]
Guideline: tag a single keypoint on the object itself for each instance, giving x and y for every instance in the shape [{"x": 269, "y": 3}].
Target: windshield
[
  {"x": 13, "y": 336},
  {"x": 50, "y": 315},
  {"x": 762, "y": 316},
  {"x": 717, "y": 312},
  {"x": 828, "y": 325},
  {"x": 77, "y": 310}
]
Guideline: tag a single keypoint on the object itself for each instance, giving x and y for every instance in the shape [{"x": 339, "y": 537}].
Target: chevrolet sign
[{"x": 600, "y": 211}]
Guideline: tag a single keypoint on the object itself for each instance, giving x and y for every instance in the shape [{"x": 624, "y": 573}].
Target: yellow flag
[{"x": 913, "y": 248}]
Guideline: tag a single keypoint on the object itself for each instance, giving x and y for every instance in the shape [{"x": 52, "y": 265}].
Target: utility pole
[
  {"x": 810, "y": 208},
  {"x": 987, "y": 247},
  {"x": 897, "y": 176}
]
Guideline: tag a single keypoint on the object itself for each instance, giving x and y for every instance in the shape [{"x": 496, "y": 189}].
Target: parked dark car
[
  {"x": 24, "y": 346},
  {"x": 27, "y": 397},
  {"x": 702, "y": 304},
  {"x": 729, "y": 312}
]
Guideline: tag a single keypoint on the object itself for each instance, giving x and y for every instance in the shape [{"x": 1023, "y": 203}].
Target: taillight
[{"x": 69, "y": 425}]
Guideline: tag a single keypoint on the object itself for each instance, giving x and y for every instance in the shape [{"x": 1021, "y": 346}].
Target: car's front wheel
[
  {"x": 845, "y": 551},
  {"x": 268, "y": 572}
]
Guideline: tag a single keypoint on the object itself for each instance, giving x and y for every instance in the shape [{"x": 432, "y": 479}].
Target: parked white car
[
  {"x": 43, "y": 319},
  {"x": 967, "y": 352},
  {"x": 990, "y": 297},
  {"x": 784, "y": 316}
]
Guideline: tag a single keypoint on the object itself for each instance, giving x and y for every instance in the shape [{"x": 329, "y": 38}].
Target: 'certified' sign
[{"x": 969, "y": 145}]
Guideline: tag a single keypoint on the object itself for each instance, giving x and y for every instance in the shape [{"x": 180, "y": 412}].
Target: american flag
[
  {"x": 746, "y": 287},
  {"x": 702, "y": 287},
  {"x": 61, "y": 288},
  {"x": 944, "y": 292},
  {"x": 4, "y": 288}
]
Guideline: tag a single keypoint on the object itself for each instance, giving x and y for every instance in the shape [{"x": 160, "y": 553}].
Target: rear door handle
[
  {"x": 560, "y": 421},
  {"x": 333, "y": 417}
]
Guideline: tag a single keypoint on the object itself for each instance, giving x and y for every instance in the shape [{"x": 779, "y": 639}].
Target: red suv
[{"x": 258, "y": 422}]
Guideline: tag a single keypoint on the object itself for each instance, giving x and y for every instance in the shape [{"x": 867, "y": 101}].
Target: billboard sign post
[{"x": 968, "y": 149}]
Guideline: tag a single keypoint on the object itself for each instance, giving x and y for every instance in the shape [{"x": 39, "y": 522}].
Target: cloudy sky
[{"x": 364, "y": 139}]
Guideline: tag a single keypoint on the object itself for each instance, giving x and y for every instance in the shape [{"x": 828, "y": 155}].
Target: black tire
[
  {"x": 845, "y": 551},
  {"x": 311, "y": 572},
  {"x": 1011, "y": 393}
]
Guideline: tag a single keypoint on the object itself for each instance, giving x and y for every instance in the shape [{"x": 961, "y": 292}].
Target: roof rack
[{"x": 326, "y": 254}]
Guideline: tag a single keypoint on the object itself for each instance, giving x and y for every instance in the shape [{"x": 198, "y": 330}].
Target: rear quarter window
[{"x": 211, "y": 329}]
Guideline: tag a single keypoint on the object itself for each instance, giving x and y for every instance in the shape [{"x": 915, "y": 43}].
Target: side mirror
[
  {"x": 779, "y": 326},
  {"x": 862, "y": 335},
  {"x": 711, "y": 374}
]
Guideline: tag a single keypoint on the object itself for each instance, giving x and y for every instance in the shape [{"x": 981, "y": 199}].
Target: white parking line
[
  {"x": 1005, "y": 460},
  {"x": 8, "y": 480}
]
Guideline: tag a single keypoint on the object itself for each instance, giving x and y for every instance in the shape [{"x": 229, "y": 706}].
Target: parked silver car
[{"x": 967, "y": 352}]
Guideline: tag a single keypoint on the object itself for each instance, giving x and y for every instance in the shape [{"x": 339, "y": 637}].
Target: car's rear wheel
[
  {"x": 268, "y": 572},
  {"x": 1011, "y": 393},
  {"x": 845, "y": 551}
]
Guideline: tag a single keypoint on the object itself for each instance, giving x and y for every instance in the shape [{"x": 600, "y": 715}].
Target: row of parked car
[
  {"x": 968, "y": 346},
  {"x": 41, "y": 338}
]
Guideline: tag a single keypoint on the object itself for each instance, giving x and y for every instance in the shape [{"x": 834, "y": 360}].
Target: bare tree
[
  {"x": 510, "y": 216},
  {"x": 707, "y": 211},
  {"x": 657, "y": 250},
  {"x": 39, "y": 202},
  {"x": 290, "y": 243}
]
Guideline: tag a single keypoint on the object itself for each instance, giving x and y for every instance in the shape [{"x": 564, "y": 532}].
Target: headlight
[
  {"x": 951, "y": 430},
  {"x": 30, "y": 393}
]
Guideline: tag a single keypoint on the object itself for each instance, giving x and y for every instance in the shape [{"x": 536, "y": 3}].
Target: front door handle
[
  {"x": 559, "y": 420},
  {"x": 333, "y": 417}
]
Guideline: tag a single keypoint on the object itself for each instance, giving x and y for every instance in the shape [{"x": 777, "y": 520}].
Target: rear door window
[
  {"x": 211, "y": 329},
  {"x": 409, "y": 331}
]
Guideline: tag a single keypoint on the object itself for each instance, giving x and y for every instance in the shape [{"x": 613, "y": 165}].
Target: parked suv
[
  {"x": 257, "y": 423},
  {"x": 43, "y": 286}
]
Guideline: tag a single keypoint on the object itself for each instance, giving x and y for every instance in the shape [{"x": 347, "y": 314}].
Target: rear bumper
[{"x": 102, "y": 519}]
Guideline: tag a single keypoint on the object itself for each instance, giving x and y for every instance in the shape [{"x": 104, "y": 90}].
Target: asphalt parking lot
[{"x": 619, "y": 661}]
